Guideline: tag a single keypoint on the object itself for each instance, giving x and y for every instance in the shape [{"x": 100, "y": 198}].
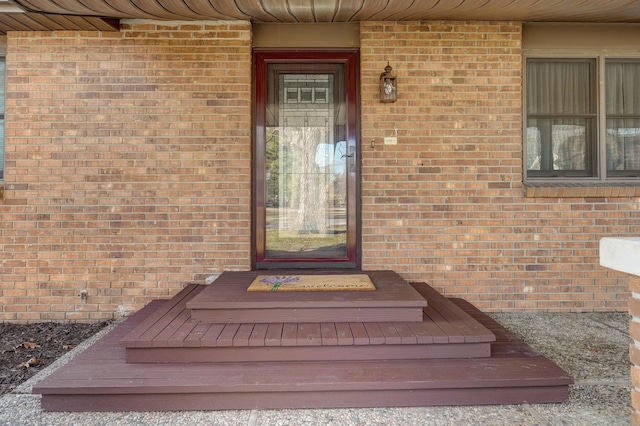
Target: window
[
  {"x": 2, "y": 122},
  {"x": 622, "y": 94},
  {"x": 564, "y": 135}
]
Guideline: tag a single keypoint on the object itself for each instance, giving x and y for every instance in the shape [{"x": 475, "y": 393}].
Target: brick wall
[
  {"x": 129, "y": 171},
  {"x": 128, "y": 166},
  {"x": 446, "y": 205}
]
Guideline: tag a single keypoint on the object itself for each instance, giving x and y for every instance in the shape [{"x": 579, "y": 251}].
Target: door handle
[{"x": 352, "y": 158}]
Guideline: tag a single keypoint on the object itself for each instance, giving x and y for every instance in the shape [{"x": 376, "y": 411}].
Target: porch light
[{"x": 388, "y": 86}]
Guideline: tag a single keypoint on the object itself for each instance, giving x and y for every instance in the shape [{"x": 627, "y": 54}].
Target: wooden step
[
  {"x": 228, "y": 301},
  {"x": 170, "y": 336},
  {"x": 100, "y": 379}
]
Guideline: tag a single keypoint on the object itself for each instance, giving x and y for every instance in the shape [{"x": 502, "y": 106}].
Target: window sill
[{"x": 581, "y": 190}]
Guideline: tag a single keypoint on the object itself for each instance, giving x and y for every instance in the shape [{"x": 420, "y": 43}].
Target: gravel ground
[{"x": 592, "y": 347}]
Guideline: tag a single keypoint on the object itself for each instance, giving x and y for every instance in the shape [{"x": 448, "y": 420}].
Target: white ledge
[{"x": 621, "y": 254}]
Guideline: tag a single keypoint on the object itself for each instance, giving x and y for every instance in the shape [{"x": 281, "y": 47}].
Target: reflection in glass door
[{"x": 305, "y": 177}]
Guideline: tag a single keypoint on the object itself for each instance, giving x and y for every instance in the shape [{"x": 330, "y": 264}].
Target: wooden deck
[
  {"x": 169, "y": 335},
  {"x": 159, "y": 359}
]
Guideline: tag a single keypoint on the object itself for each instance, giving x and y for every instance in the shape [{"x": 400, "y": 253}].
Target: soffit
[{"x": 90, "y": 14}]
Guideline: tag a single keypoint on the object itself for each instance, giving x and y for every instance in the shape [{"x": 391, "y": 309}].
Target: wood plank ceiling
[{"x": 104, "y": 14}]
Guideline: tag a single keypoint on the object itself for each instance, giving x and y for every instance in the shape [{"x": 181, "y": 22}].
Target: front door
[{"x": 306, "y": 160}]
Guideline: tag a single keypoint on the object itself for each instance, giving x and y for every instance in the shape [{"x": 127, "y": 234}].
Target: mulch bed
[{"x": 25, "y": 349}]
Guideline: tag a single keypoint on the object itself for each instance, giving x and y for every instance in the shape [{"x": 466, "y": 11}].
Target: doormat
[{"x": 356, "y": 282}]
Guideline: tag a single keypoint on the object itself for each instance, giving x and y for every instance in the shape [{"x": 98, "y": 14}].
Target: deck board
[
  {"x": 227, "y": 334},
  {"x": 473, "y": 331},
  {"x": 289, "y": 334},
  {"x": 376, "y": 336},
  {"x": 274, "y": 334},
  {"x": 391, "y": 335},
  {"x": 309, "y": 334},
  {"x": 167, "y": 306},
  {"x": 212, "y": 334},
  {"x": 277, "y": 376},
  {"x": 258, "y": 335},
  {"x": 329, "y": 334},
  {"x": 344, "y": 333},
  {"x": 449, "y": 329},
  {"x": 421, "y": 331},
  {"x": 243, "y": 334},
  {"x": 406, "y": 334},
  {"x": 287, "y": 400},
  {"x": 162, "y": 338},
  {"x": 360, "y": 335},
  {"x": 178, "y": 339},
  {"x": 195, "y": 337}
]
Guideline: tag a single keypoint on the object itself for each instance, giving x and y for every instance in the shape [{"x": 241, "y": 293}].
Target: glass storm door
[{"x": 306, "y": 160}]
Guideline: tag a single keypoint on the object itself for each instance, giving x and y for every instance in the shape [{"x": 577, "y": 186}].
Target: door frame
[{"x": 351, "y": 59}]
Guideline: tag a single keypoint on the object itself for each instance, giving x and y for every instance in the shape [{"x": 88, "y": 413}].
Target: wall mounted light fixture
[{"x": 388, "y": 86}]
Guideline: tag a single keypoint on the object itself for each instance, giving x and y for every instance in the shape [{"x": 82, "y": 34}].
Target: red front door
[{"x": 306, "y": 160}]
